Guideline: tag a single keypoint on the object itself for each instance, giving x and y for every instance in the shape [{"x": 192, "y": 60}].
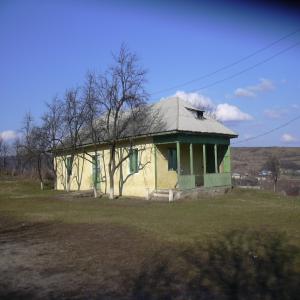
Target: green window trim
[
  {"x": 69, "y": 166},
  {"x": 133, "y": 161},
  {"x": 96, "y": 169},
  {"x": 172, "y": 159}
]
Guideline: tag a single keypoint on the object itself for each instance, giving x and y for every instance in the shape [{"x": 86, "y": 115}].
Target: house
[
  {"x": 191, "y": 151},
  {"x": 236, "y": 176}
]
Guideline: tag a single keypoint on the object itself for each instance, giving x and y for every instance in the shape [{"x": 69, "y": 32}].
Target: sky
[{"x": 196, "y": 50}]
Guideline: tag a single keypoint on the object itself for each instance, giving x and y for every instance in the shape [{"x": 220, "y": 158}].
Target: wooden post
[
  {"x": 204, "y": 158},
  {"x": 178, "y": 157},
  {"x": 216, "y": 158},
  {"x": 191, "y": 159},
  {"x": 155, "y": 166}
]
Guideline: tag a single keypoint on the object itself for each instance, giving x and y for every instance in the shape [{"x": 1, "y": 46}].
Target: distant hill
[{"x": 252, "y": 159}]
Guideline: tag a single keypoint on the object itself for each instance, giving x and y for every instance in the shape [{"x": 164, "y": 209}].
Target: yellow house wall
[
  {"x": 81, "y": 178},
  {"x": 166, "y": 179},
  {"x": 136, "y": 184}
]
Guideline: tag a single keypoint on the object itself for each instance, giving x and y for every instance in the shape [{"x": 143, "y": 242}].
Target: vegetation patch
[{"x": 56, "y": 247}]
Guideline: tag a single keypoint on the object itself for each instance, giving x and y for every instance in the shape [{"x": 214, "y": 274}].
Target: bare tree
[
  {"x": 52, "y": 127},
  {"x": 73, "y": 120},
  {"x": 93, "y": 123},
  {"x": 122, "y": 95},
  {"x": 18, "y": 154},
  {"x": 4, "y": 148},
  {"x": 34, "y": 145},
  {"x": 273, "y": 165}
]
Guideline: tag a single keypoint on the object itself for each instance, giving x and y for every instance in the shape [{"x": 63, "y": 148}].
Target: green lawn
[{"x": 181, "y": 221}]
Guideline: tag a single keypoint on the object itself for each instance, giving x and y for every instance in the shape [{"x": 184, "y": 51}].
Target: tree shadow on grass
[{"x": 240, "y": 265}]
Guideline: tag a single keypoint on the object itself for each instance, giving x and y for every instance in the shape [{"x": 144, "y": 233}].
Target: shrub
[{"x": 239, "y": 265}]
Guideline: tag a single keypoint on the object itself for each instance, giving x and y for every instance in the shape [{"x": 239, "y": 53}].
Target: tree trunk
[
  {"x": 55, "y": 182},
  {"x": 111, "y": 169},
  {"x": 111, "y": 185},
  {"x": 121, "y": 180},
  {"x": 68, "y": 183},
  {"x": 95, "y": 191},
  {"x": 39, "y": 167}
]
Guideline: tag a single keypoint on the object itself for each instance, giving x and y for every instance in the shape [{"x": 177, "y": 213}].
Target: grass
[
  {"x": 172, "y": 222},
  {"x": 57, "y": 246}
]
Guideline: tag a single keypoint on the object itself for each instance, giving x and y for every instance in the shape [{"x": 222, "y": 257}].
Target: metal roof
[{"x": 180, "y": 115}]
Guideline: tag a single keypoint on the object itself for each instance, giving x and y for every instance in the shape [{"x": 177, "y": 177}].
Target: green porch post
[
  {"x": 155, "y": 166},
  {"x": 216, "y": 158},
  {"x": 204, "y": 158},
  {"x": 191, "y": 159},
  {"x": 178, "y": 157}
]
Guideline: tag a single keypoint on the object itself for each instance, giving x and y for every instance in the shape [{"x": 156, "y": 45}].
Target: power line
[
  {"x": 247, "y": 69},
  {"x": 267, "y": 132},
  {"x": 228, "y": 65}
]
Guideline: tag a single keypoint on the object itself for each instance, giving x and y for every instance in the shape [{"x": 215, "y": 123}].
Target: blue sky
[{"x": 48, "y": 46}]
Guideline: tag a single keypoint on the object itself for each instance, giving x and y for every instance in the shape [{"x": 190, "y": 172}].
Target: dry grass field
[
  {"x": 57, "y": 246},
  {"x": 252, "y": 159}
]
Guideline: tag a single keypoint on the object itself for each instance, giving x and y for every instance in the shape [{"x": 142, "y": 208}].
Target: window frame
[
  {"x": 96, "y": 169},
  {"x": 172, "y": 159},
  {"x": 69, "y": 164},
  {"x": 134, "y": 161}
]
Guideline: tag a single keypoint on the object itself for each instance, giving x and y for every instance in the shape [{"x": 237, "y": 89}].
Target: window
[
  {"x": 133, "y": 161},
  {"x": 199, "y": 114},
  {"x": 69, "y": 166},
  {"x": 96, "y": 169},
  {"x": 172, "y": 159}
]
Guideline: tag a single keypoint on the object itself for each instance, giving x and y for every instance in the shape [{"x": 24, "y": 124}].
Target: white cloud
[
  {"x": 248, "y": 135},
  {"x": 196, "y": 99},
  {"x": 288, "y": 138},
  {"x": 273, "y": 114},
  {"x": 8, "y": 135},
  {"x": 223, "y": 112},
  {"x": 226, "y": 112},
  {"x": 242, "y": 92},
  {"x": 264, "y": 85},
  {"x": 283, "y": 81}
]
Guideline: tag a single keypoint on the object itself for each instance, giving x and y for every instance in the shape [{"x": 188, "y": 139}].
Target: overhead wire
[
  {"x": 239, "y": 73},
  {"x": 267, "y": 132},
  {"x": 229, "y": 65},
  {"x": 248, "y": 69}
]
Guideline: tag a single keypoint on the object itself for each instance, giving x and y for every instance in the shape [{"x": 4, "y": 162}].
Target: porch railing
[{"x": 207, "y": 180}]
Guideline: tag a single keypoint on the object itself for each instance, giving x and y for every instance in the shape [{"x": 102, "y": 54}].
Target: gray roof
[{"x": 179, "y": 115}]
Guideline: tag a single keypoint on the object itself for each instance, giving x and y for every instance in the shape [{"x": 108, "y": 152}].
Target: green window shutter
[
  {"x": 96, "y": 169},
  {"x": 172, "y": 159},
  {"x": 133, "y": 161},
  {"x": 69, "y": 165}
]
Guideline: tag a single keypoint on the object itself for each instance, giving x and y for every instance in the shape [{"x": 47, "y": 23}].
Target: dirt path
[{"x": 63, "y": 261}]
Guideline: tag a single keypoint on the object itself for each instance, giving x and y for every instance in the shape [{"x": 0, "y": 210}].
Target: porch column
[
  {"x": 178, "y": 157},
  {"x": 155, "y": 166},
  {"x": 216, "y": 158},
  {"x": 191, "y": 159},
  {"x": 204, "y": 158}
]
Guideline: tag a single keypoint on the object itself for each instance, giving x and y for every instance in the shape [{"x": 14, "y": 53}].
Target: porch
[{"x": 185, "y": 161}]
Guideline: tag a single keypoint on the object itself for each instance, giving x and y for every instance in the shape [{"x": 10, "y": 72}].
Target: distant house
[
  {"x": 192, "y": 151},
  {"x": 264, "y": 173},
  {"x": 236, "y": 176}
]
